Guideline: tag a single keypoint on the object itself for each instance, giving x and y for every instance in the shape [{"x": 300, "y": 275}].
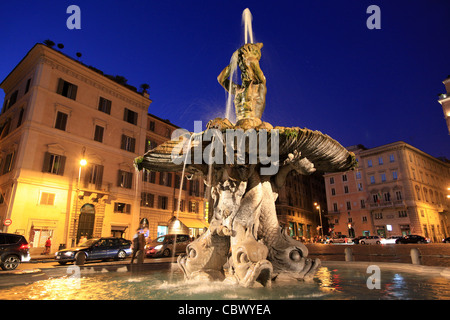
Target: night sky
[{"x": 325, "y": 69}]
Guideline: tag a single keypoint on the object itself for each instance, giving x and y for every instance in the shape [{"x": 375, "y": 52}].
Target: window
[
  {"x": 391, "y": 158},
  {"x": 47, "y": 199},
  {"x": 175, "y": 204},
  {"x": 130, "y": 116},
  {"x": 128, "y": 143},
  {"x": 19, "y": 121},
  {"x": 383, "y": 177},
  {"x": 147, "y": 199},
  {"x": 335, "y": 207},
  {"x": 349, "y": 205},
  {"x": 98, "y": 134},
  {"x": 394, "y": 175},
  {"x": 380, "y": 160},
  {"x": 360, "y": 187},
  {"x": 331, "y": 180},
  {"x": 54, "y": 163},
  {"x": 149, "y": 176},
  {"x": 345, "y": 189},
  {"x": 378, "y": 215},
  {"x": 194, "y": 188},
  {"x": 398, "y": 194},
  {"x": 104, "y": 105},
  {"x": 163, "y": 202},
  {"x": 193, "y": 207},
  {"x": 149, "y": 144},
  {"x": 165, "y": 179},
  {"x": 372, "y": 179},
  {"x": 364, "y": 219},
  {"x": 369, "y": 163},
  {"x": 121, "y": 207},
  {"x": 402, "y": 214},
  {"x": 94, "y": 175},
  {"x": 61, "y": 121},
  {"x": 4, "y": 128},
  {"x": 333, "y": 192},
  {"x": 27, "y": 87},
  {"x": 151, "y": 126},
  {"x": 9, "y": 160},
  {"x": 125, "y": 179},
  {"x": 387, "y": 196},
  {"x": 344, "y": 177},
  {"x": 67, "y": 89},
  {"x": 358, "y": 175},
  {"x": 363, "y": 204},
  {"x": 375, "y": 198}
]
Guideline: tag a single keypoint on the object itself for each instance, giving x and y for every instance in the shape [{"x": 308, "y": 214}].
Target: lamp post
[
  {"x": 320, "y": 217},
  {"x": 83, "y": 163}
]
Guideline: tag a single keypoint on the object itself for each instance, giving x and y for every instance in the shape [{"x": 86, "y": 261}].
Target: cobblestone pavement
[{"x": 433, "y": 254}]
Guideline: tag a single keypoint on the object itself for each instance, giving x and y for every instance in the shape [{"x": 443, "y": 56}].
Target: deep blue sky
[{"x": 325, "y": 70}]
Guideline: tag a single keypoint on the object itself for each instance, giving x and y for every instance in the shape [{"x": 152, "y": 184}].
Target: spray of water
[
  {"x": 187, "y": 153},
  {"x": 229, "y": 114},
  {"x": 248, "y": 36},
  {"x": 247, "y": 21}
]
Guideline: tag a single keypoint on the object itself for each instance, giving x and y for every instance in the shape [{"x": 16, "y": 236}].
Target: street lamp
[
  {"x": 320, "y": 217},
  {"x": 83, "y": 163}
]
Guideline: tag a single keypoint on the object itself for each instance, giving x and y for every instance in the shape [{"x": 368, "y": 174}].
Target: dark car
[
  {"x": 412, "y": 238},
  {"x": 446, "y": 240},
  {"x": 96, "y": 249},
  {"x": 14, "y": 249},
  {"x": 164, "y": 245}
]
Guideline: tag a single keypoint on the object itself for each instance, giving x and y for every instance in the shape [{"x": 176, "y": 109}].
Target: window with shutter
[{"x": 67, "y": 89}]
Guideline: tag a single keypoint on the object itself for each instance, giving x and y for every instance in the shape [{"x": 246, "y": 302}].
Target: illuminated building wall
[{"x": 399, "y": 190}]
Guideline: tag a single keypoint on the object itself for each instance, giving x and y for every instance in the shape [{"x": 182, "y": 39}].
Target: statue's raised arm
[{"x": 250, "y": 96}]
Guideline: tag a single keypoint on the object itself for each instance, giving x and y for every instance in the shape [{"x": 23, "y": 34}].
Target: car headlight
[
  {"x": 158, "y": 247},
  {"x": 68, "y": 253}
]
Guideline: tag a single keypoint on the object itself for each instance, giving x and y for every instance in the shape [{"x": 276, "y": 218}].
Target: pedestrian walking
[
  {"x": 138, "y": 246},
  {"x": 48, "y": 245}
]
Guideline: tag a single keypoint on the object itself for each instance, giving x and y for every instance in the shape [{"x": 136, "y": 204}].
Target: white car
[
  {"x": 339, "y": 239},
  {"x": 390, "y": 240},
  {"x": 371, "y": 240}
]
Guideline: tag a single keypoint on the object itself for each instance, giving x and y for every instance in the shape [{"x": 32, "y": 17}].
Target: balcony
[{"x": 387, "y": 204}]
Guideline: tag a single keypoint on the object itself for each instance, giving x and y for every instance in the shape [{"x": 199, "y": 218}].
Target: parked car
[
  {"x": 446, "y": 240},
  {"x": 164, "y": 245},
  {"x": 412, "y": 238},
  {"x": 390, "y": 240},
  {"x": 14, "y": 249},
  {"x": 341, "y": 238},
  {"x": 371, "y": 240},
  {"x": 97, "y": 249},
  {"x": 357, "y": 239}
]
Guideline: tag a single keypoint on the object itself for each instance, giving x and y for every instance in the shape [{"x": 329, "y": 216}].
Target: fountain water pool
[{"x": 331, "y": 282}]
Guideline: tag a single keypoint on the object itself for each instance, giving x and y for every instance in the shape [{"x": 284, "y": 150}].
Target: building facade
[
  {"x": 444, "y": 100},
  {"x": 57, "y": 112},
  {"x": 397, "y": 189},
  {"x": 299, "y": 203},
  {"x": 161, "y": 197}
]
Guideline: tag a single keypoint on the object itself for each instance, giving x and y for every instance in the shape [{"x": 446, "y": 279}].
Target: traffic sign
[{"x": 7, "y": 222}]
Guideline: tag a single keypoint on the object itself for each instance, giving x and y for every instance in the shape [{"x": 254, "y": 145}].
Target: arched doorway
[{"x": 86, "y": 222}]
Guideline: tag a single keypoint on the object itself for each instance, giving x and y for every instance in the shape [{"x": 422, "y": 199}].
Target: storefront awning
[
  {"x": 193, "y": 223},
  {"x": 119, "y": 228}
]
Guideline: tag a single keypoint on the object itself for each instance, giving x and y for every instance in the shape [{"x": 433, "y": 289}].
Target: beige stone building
[
  {"x": 58, "y": 111},
  {"x": 396, "y": 190},
  {"x": 444, "y": 100}
]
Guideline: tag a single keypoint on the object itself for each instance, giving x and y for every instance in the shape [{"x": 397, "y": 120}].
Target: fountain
[{"x": 245, "y": 164}]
